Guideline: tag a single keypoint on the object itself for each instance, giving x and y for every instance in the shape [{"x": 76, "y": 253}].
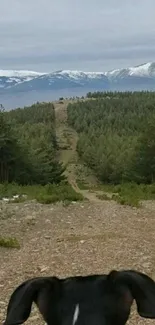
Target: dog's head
[{"x": 93, "y": 300}]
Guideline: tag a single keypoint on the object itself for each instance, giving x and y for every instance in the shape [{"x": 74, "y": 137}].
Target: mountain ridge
[
  {"x": 54, "y": 84},
  {"x": 145, "y": 69}
]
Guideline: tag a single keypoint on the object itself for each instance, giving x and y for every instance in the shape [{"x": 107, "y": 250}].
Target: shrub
[
  {"x": 9, "y": 242},
  {"x": 103, "y": 197},
  {"x": 49, "y": 193}
]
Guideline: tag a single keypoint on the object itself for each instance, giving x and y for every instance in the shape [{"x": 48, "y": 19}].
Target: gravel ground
[{"x": 82, "y": 238}]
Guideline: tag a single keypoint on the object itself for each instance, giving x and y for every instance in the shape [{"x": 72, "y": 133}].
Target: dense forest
[
  {"x": 117, "y": 135},
  {"x": 28, "y": 146},
  {"x": 116, "y": 139}
]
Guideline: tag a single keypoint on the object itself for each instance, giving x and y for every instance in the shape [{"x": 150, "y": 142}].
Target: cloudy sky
[{"x": 90, "y": 35}]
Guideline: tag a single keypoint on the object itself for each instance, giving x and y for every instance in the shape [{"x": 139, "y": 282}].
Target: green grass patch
[
  {"x": 82, "y": 185},
  {"x": 103, "y": 197},
  {"x": 47, "y": 194},
  {"x": 129, "y": 193},
  {"x": 9, "y": 242},
  {"x": 66, "y": 203},
  {"x": 127, "y": 200}
]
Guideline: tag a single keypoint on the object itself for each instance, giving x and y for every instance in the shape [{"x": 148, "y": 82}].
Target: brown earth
[{"x": 90, "y": 237}]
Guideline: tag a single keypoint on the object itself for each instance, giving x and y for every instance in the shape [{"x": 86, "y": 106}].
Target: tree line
[
  {"x": 28, "y": 146},
  {"x": 116, "y": 135}
]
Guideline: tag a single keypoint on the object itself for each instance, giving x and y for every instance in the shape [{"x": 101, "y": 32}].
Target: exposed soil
[{"x": 89, "y": 237}]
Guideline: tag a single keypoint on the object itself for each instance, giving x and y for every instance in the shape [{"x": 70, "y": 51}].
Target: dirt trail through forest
[
  {"x": 67, "y": 137},
  {"x": 87, "y": 237}
]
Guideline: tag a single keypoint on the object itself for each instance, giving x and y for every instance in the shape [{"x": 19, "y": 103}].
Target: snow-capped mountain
[
  {"x": 9, "y": 78},
  {"x": 29, "y": 80},
  {"x": 65, "y": 82},
  {"x": 63, "y": 79},
  {"x": 141, "y": 77},
  {"x": 143, "y": 70}
]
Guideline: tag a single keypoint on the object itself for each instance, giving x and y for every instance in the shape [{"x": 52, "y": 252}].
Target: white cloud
[{"x": 47, "y": 35}]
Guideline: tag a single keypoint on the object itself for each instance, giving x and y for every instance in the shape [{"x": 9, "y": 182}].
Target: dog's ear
[
  {"x": 141, "y": 287},
  {"x": 41, "y": 290}
]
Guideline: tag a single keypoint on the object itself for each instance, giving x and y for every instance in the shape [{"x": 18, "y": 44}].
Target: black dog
[{"x": 84, "y": 300}]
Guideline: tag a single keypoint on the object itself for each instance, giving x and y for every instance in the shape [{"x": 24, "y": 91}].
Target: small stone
[
  {"x": 47, "y": 237},
  {"x": 82, "y": 241},
  {"x": 59, "y": 240},
  {"x": 2, "y": 303},
  {"x": 15, "y": 196},
  {"x": 5, "y": 199},
  {"x": 30, "y": 218},
  {"x": 42, "y": 269}
]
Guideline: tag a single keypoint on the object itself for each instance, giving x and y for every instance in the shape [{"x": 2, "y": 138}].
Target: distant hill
[{"x": 19, "y": 88}]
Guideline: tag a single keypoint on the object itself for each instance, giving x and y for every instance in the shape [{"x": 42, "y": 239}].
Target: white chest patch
[{"x": 76, "y": 314}]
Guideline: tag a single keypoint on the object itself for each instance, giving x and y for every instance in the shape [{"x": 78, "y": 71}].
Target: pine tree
[{"x": 144, "y": 162}]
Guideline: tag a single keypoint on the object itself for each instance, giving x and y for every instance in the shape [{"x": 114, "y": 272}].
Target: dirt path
[{"x": 67, "y": 140}]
